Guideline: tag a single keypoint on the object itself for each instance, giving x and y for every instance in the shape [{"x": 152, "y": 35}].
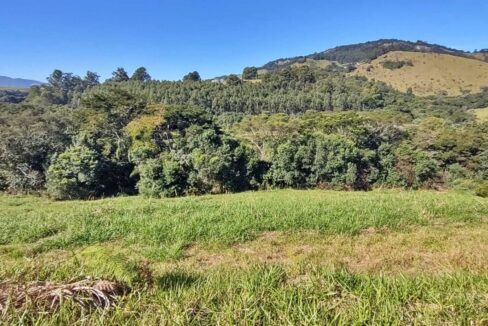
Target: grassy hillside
[
  {"x": 277, "y": 257},
  {"x": 429, "y": 73}
]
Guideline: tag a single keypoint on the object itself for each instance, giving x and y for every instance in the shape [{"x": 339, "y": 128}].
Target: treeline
[
  {"x": 291, "y": 90},
  {"x": 299, "y": 127}
]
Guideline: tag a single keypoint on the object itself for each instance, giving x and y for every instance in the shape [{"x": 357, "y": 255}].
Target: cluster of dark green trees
[
  {"x": 297, "y": 127},
  {"x": 291, "y": 91},
  {"x": 393, "y": 65}
]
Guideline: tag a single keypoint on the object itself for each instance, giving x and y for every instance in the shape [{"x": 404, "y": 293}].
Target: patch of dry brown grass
[
  {"x": 431, "y": 250},
  {"x": 431, "y": 73}
]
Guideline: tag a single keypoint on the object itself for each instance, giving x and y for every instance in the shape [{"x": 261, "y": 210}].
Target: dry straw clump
[{"x": 46, "y": 296}]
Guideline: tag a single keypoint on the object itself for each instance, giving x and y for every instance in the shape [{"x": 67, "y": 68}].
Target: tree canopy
[
  {"x": 192, "y": 77},
  {"x": 298, "y": 127}
]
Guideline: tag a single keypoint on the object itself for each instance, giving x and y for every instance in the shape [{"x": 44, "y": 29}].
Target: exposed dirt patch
[{"x": 433, "y": 249}]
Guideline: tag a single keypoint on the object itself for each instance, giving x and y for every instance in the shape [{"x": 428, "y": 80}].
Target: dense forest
[{"x": 300, "y": 127}]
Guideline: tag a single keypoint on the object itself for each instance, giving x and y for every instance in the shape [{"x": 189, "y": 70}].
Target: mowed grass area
[{"x": 283, "y": 257}]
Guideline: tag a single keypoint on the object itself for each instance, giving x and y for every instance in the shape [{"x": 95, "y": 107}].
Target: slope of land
[
  {"x": 274, "y": 258},
  {"x": 428, "y": 73},
  {"x": 361, "y": 52}
]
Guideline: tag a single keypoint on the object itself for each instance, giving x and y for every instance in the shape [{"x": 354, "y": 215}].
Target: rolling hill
[
  {"x": 426, "y": 69},
  {"x": 361, "y": 52},
  {"x": 9, "y": 82},
  {"x": 427, "y": 73}
]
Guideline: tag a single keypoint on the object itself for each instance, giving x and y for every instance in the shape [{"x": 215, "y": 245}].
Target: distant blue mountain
[{"x": 17, "y": 82}]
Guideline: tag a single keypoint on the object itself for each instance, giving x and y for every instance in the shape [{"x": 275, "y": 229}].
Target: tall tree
[
  {"x": 141, "y": 75},
  {"x": 120, "y": 75},
  {"x": 250, "y": 73},
  {"x": 56, "y": 78},
  {"x": 192, "y": 76},
  {"x": 233, "y": 80},
  {"x": 91, "y": 79}
]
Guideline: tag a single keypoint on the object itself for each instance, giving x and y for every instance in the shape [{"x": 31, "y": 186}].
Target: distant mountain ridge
[
  {"x": 17, "y": 82},
  {"x": 363, "y": 52}
]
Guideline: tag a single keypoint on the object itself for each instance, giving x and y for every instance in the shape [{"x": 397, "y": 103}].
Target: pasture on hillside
[
  {"x": 428, "y": 73},
  {"x": 285, "y": 257}
]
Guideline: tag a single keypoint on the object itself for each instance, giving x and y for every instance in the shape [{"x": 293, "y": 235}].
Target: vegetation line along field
[{"x": 345, "y": 187}]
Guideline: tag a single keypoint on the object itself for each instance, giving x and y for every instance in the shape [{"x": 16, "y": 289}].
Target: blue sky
[{"x": 215, "y": 37}]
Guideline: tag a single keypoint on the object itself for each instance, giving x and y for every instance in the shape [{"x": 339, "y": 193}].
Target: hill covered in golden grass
[{"x": 427, "y": 73}]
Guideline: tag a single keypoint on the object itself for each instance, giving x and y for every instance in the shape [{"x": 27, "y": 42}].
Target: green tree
[
  {"x": 76, "y": 174},
  {"x": 250, "y": 73},
  {"x": 91, "y": 79},
  {"x": 25, "y": 153},
  {"x": 192, "y": 77},
  {"x": 120, "y": 75},
  {"x": 337, "y": 162},
  {"x": 291, "y": 164},
  {"x": 233, "y": 80},
  {"x": 163, "y": 176},
  {"x": 141, "y": 74},
  {"x": 415, "y": 167}
]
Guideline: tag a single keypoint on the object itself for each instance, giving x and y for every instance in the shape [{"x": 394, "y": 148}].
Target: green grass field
[{"x": 283, "y": 257}]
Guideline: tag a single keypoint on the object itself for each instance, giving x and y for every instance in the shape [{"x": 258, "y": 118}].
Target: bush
[
  {"x": 76, "y": 173},
  {"x": 482, "y": 190},
  {"x": 392, "y": 65}
]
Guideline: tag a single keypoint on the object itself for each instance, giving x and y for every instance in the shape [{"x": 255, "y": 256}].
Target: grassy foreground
[{"x": 279, "y": 257}]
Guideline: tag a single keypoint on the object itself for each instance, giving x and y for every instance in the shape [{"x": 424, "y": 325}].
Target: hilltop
[
  {"x": 424, "y": 68},
  {"x": 362, "y": 52}
]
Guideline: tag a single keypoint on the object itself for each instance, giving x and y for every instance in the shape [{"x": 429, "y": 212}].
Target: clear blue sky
[{"x": 215, "y": 37}]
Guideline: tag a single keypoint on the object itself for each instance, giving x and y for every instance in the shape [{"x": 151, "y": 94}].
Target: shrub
[{"x": 392, "y": 65}]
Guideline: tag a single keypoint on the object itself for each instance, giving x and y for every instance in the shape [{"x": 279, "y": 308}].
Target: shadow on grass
[{"x": 175, "y": 280}]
